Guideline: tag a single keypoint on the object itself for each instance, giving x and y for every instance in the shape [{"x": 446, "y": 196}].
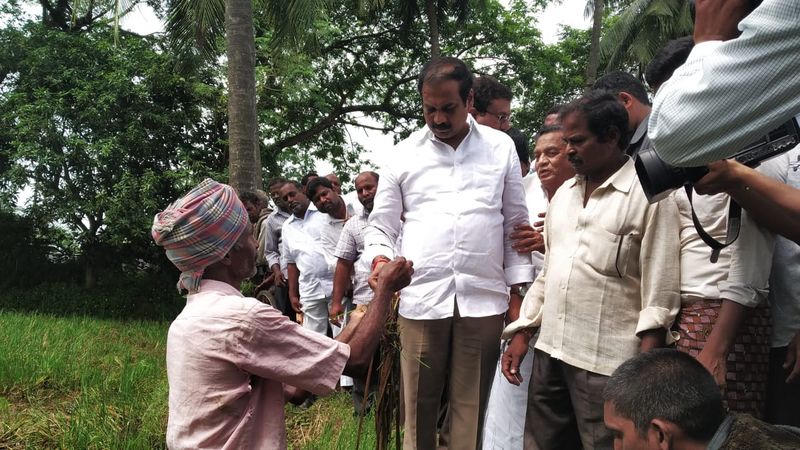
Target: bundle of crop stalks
[{"x": 388, "y": 412}]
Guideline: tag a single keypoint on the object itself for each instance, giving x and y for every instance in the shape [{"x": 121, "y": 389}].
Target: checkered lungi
[{"x": 748, "y": 361}]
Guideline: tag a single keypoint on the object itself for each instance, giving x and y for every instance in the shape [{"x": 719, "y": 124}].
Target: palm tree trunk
[
  {"x": 244, "y": 161},
  {"x": 433, "y": 27},
  {"x": 594, "y": 49}
]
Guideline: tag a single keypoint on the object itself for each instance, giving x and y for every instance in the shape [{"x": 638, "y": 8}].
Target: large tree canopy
[{"x": 104, "y": 135}]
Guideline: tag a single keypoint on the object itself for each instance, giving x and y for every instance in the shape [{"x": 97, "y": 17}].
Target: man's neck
[
  {"x": 593, "y": 181},
  {"x": 341, "y": 211},
  {"x": 301, "y": 215},
  {"x": 456, "y": 140}
]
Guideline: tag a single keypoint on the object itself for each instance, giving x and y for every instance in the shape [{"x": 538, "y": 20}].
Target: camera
[{"x": 658, "y": 178}]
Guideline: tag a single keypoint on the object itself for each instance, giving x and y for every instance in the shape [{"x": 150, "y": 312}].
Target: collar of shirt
[
  {"x": 218, "y": 287},
  {"x": 641, "y": 131},
  {"x": 621, "y": 180}
]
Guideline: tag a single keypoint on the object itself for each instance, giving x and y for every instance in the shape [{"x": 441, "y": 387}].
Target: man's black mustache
[{"x": 441, "y": 127}]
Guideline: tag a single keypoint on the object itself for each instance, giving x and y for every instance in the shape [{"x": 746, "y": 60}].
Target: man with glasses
[
  {"x": 270, "y": 246},
  {"x": 492, "y": 104}
]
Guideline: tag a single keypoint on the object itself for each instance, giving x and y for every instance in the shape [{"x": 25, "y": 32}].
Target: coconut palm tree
[
  {"x": 641, "y": 29},
  {"x": 196, "y": 26}
]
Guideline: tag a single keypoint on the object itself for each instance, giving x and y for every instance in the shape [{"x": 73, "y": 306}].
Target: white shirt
[
  {"x": 784, "y": 294},
  {"x": 611, "y": 271},
  {"x": 729, "y": 93},
  {"x": 700, "y": 277},
  {"x": 303, "y": 247},
  {"x": 460, "y": 206},
  {"x": 536, "y": 200}
]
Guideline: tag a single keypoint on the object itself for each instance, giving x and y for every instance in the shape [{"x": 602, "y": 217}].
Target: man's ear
[
  {"x": 626, "y": 99},
  {"x": 661, "y": 433},
  {"x": 473, "y": 111},
  {"x": 470, "y": 100}
]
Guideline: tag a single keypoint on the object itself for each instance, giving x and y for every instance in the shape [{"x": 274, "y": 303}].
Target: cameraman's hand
[
  {"x": 718, "y": 20},
  {"x": 394, "y": 275},
  {"x": 722, "y": 176}
]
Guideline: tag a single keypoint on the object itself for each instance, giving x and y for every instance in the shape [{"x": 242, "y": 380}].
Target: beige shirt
[{"x": 611, "y": 271}]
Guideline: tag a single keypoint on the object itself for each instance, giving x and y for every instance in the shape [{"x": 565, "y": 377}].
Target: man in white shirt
[
  {"x": 609, "y": 287},
  {"x": 310, "y": 278},
  {"x": 459, "y": 187}
]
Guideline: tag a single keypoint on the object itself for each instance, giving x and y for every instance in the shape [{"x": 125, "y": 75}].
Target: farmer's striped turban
[{"x": 199, "y": 229}]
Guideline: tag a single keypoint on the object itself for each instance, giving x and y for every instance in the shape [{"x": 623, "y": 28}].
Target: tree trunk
[
  {"x": 433, "y": 27},
  {"x": 594, "y": 49},
  {"x": 244, "y": 160}
]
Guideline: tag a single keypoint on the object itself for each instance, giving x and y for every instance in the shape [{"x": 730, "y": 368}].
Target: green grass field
[{"x": 82, "y": 383}]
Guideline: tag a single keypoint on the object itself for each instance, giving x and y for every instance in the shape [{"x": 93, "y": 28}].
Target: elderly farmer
[{"x": 232, "y": 361}]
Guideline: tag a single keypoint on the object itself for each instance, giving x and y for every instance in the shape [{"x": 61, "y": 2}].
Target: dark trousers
[
  {"x": 783, "y": 400},
  {"x": 565, "y": 407}
]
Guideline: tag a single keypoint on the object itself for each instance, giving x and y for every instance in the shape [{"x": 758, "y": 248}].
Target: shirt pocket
[{"x": 609, "y": 253}]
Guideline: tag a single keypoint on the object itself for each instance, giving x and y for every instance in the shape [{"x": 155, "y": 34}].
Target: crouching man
[
  {"x": 232, "y": 361},
  {"x": 666, "y": 400}
]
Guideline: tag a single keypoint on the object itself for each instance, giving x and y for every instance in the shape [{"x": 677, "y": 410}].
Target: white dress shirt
[
  {"x": 611, "y": 271},
  {"x": 536, "y": 200},
  {"x": 460, "y": 207},
  {"x": 729, "y": 93},
  {"x": 302, "y": 246}
]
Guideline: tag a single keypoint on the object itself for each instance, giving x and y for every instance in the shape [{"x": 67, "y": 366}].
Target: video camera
[{"x": 658, "y": 178}]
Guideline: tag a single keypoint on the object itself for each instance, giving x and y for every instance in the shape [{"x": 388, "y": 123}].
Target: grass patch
[{"x": 78, "y": 382}]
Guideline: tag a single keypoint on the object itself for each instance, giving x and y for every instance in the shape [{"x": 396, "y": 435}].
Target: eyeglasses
[{"x": 502, "y": 118}]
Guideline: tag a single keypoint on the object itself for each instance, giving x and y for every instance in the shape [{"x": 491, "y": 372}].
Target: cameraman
[{"x": 731, "y": 89}]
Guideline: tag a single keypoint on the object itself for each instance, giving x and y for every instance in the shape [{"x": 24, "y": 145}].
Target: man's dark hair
[
  {"x": 547, "y": 130},
  {"x": 488, "y": 89},
  {"x": 306, "y": 177},
  {"x": 297, "y": 184},
  {"x": 370, "y": 172},
  {"x": 276, "y": 180},
  {"x": 618, "y": 81},
  {"x": 250, "y": 197},
  {"x": 669, "y": 385},
  {"x": 521, "y": 143},
  {"x": 315, "y": 184},
  {"x": 447, "y": 68},
  {"x": 669, "y": 58},
  {"x": 603, "y": 114}
]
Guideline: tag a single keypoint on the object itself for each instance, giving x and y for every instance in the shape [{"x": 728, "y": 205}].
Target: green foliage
[
  {"x": 104, "y": 135},
  {"x": 143, "y": 297},
  {"x": 363, "y": 73},
  {"x": 641, "y": 29}
]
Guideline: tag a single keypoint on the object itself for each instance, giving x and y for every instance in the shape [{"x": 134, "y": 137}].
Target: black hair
[
  {"x": 447, "y": 68},
  {"x": 488, "y": 89},
  {"x": 547, "y": 130},
  {"x": 603, "y": 114},
  {"x": 315, "y": 184},
  {"x": 306, "y": 177},
  {"x": 669, "y": 385},
  {"x": 276, "y": 180},
  {"x": 670, "y": 57},
  {"x": 250, "y": 197},
  {"x": 521, "y": 143},
  {"x": 618, "y": 81}
]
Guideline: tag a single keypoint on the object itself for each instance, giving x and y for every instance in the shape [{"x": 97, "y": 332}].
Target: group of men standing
[{"x": 612, "y": 275}]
